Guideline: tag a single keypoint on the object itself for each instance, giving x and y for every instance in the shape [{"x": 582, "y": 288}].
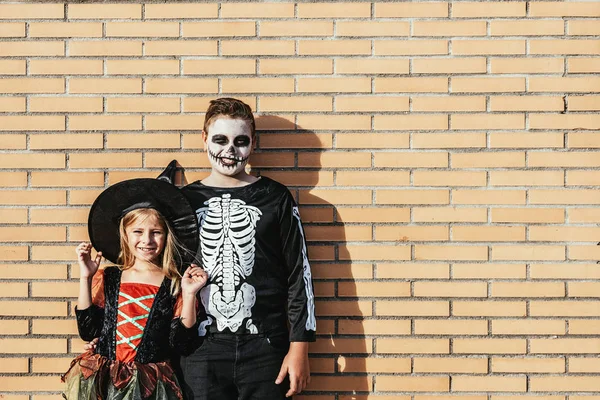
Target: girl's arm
[
  {"x": 90, "y": 317},
  {"x": 87, "y": 270}
]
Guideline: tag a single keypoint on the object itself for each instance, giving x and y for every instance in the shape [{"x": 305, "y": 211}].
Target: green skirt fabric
[{"x": 93, "y": 377}]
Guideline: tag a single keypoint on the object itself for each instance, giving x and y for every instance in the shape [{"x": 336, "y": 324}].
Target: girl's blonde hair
[{"x": 171, "y": 253}]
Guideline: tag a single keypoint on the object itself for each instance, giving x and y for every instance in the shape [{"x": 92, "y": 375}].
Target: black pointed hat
[{"x": 117, "y": 200}]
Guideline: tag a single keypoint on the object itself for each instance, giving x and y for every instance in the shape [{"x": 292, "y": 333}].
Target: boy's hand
[
  {"x": 194, "y": 278},
  {"x": 87, "y": 266},
  {"x": 295, "y": 364}
]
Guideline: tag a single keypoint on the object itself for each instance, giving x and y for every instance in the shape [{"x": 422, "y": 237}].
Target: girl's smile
[{"x": 146, "y": 239}]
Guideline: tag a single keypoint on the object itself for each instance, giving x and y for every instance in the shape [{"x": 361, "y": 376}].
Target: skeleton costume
[
  {"x": 253, "y": 248},
  {"x": 137, "y": 324}
]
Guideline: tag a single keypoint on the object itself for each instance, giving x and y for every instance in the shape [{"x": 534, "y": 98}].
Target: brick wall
[{"x": 444, "y": 155}]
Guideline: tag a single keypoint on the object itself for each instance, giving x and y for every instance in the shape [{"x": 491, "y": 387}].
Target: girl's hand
[
  {"x": 194, "y": 278},
  {"x": 87, "y": 266}
]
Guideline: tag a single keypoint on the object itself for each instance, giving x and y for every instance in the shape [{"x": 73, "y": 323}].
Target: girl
[{"x": 141, "y": 309}]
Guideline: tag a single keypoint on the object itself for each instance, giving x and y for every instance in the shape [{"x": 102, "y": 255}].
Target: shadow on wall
[{"x": 292, "y": 156}]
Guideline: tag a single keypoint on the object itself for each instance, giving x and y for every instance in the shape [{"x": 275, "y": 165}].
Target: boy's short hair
[{"x": 231, "y": 108}]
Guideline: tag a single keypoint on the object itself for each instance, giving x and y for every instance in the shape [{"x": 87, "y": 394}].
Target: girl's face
[
  {"x": 229, "y": 144},
  {"x": 146, "y": 238}
]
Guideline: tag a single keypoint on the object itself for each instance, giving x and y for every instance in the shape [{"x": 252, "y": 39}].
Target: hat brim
[{"x": 109, "y": 207}]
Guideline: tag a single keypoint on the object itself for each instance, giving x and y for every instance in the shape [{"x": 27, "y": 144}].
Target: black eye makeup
[
  {"x": 241, "y": 141},
  {"x": 220, "y": 139}
]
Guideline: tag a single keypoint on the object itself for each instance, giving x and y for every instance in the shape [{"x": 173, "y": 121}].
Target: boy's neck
[{"x": 219, "y": 180}]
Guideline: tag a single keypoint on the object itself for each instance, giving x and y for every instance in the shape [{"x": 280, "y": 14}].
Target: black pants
[{"x": 236, "y": 367}]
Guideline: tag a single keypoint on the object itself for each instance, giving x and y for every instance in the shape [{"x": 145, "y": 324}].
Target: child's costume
[
  {"x": 254, "y": 251},
  {"x": 136, "y": 324}
]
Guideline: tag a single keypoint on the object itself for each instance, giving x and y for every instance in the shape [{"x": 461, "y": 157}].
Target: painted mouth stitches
[{"x": 232, "y": 160}]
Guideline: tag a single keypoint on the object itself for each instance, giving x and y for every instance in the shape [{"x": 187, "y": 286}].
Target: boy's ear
[{"x": 204, "y": 138}]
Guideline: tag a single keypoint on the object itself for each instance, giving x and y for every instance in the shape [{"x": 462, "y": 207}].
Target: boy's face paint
[{"x": 229, "y": 144}]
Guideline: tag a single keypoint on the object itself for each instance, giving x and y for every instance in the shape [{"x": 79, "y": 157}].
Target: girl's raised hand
[
  {"x": 87, "y": 266},
  {"x": 194, "y": 278}
]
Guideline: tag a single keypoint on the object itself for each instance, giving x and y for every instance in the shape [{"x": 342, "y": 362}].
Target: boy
[{"x": 254, "y": 251}]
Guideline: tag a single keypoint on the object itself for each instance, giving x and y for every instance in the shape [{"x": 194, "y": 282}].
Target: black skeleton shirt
[{"x": 254, "y": 251}]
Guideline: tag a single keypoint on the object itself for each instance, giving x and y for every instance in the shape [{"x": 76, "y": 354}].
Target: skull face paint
[{"x": 229, "y": 144}]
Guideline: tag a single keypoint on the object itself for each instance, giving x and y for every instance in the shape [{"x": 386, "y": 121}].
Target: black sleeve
[
  {"x": 184, "y": 340},
  {"x": 89, "y": 322},
  {"x": 301, "y": 299}
]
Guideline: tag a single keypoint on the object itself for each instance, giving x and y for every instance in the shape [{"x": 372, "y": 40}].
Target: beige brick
[
  {"x": 40, "y": 383},
  {"x": 142, "y": 104},
  {"x": 450, "y": 365},
  {"x": 572, "y": 9},
  {"x": 584, "y": 103},
  {"x": 66, "y": 141},
  {"x": 340, "y": 383},
  {"x": 411, "y": 10},
  {"x": 50, "y": 365},
  {"x": 528, "y": 289},
  {"x": 257, "y": 47},
  {"x": 180, "y": 48},
  {"x": 527, "y": 178},
  {"x": 105, "y": 11},
  {"x": 296, "y": 140},
  {"x": 449, "y": 289},
  {"x": 105, "y": 85},
  {"x": 296, "y": 66},
  {"x": 449, "y": 178},
  {"x": 219, "y": 29},
  {"x": 413, "y": 270},
  {"x": 142, "y": 67},
  {"x": 528, "y": 326},
  {"x": 337, "y": 233},
  {"x": 449, "y": 214},
  {"x": 32, "y": 85},
  {"x": 379, "y": 214},
  {"x": 583, "y": 140},
  {"x": 32, "y": 123},
  {"x": 449, "y": 28},
  {"x": 266, "y": 10},
  {"x": 372, "y": 28},
  {"x": 525, "y": 252},
  {"x": 410, "y": 47},
  {"x": 449, "y": 65},
  {"x": 487, "y": 121},
  {"x": 411, "y": 233},
  {"x": 344, "y": 308},
  {"x": 105, "y": 122},
  {"x": 562, "y": 234},
  {"x": 583, "y": 215},
  {"x": 12, "y": 29},
  {"x": 54, "y": 289},
  {"x": 528, "y": 215},
  {"x": 13, "y": 289},
  {"x": 370, "y": 178},
  {"x": 260, "y": 85},
  {"x": 583, "y": 365},
  {"x": 451, "y": 327},
  {"x": 528, "y": 364},
  {"x": 488, "y": 308},
  {"x": 32, "y": 11},
  {"x": 142, "y": 29},
  {"x": 564, "y": 46},
  {"x": 488, "y": 47},
  {"x": 463, "y": 196},
  {"x": 371, "y": 103},
  {"x": 488, "y": 160},
  {"x": 13, "y": 179},
  {"x": 447, "y": 252},
  {"x": 65, "y": 29},
  {"x": 296, "y": 28},
  {"x": 568, "y": 85},
  {"x": 181, "y": 85},
  {"x": 412, "y": 197},
  {"x": 33, "y": 49},
  {"x": 332, "y": 85},
  {"x": 374, "y": 289},
  {"x": 353, "y": 196},
  {"x": 537, "y": 65},
  {"x": 216, "y": 67},
  {"x": 583, "y": 196},
  {"x": 65, "y": 67},
  {"x": 584, "y": 326},
  {"x": 413, "y": 346},
  {"x": 69, "y": 215},
  {"x": 526, "y": 103},
  {"x": 448, "y": 140},
  {"x": 410, "y": 159},
  {"x": 583, "y": 252},
  {"x": 382, "y": 365},
  {"x": 527, "y": 28},
  {"x": 583, "y": 289},
  {"x": 105, "y": 48},
  {"x": 564, "y": 346},
  {"x": 488, "y": 271},
  {"x": 337, "y": 47},
  {"x": 65, "y": 104},
  {"x": 334, "y": 122},
  {"x": 583, "y": 65},
  {"x": 570, "y": 159},
  {"x": 13, "y": 215},
  {"x": 13, "y": 253},
  {"x": 180, "y": 11},
  {"x": 488, "y": 233},
  {"x": 411, "y": 122},
  {"x": 66, "y": 179},
  {"x": 564, "y": 308},
  {"x": 469, "y": 9},
  {"x": 374, "y": 252},
  {"x": 489, "y": 346},
  {"x": 105, "y": 160},
  {"x": 526, "y": 140},
  {"x": 334, "y": 10},
  {"x": 32, "y": 308},
  {"x": 14, "y": 365},
  {"x": 411, "y": 85},
  {"x": 412, "y": 384},
  {"x": 304, "y": 103},
  {"x": 12, "y": 104},
  {"x": 340, "y": 271},
  {"x": 12, "y": 67},
  {"x": 28, "y": 197}
]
